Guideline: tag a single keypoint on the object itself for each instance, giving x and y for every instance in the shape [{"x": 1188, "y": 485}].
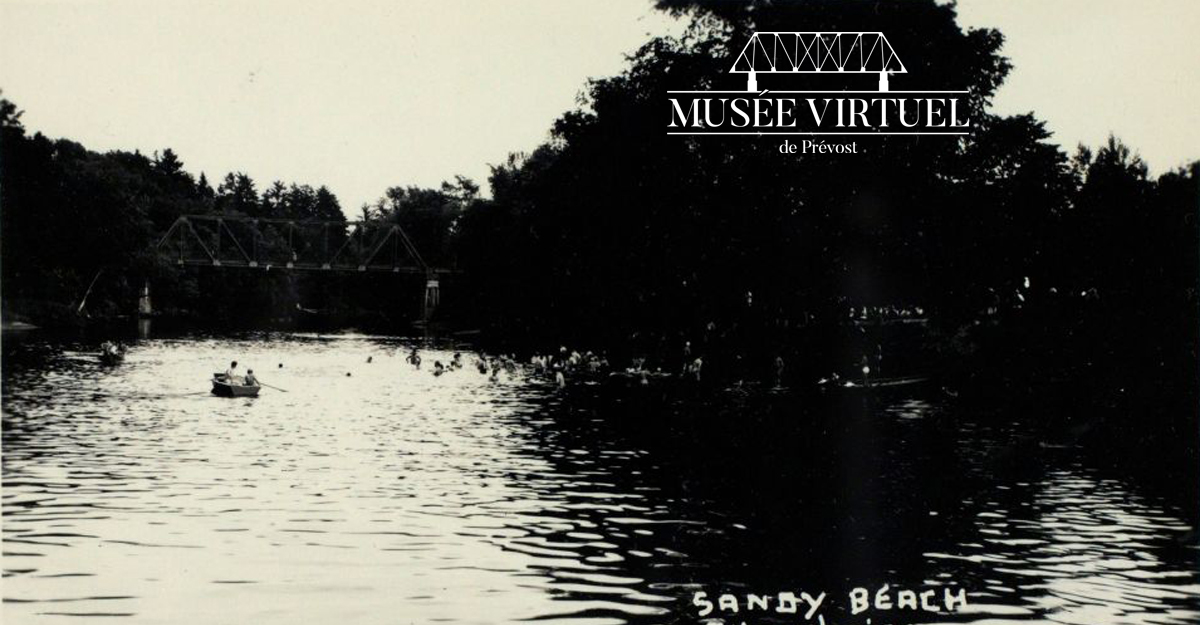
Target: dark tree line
[
  {"x": 75, "y": 220},
  {"x": 1033, "y": 267}
]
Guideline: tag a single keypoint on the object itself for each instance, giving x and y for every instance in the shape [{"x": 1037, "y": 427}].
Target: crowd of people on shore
[
  {"x": 559, "y": 367},
  {"x": 565, "y": 365},
  {"x": 491, "y": 366},
  {"x": 571, "y": 365},
  {"x": 734, "y": 358}
]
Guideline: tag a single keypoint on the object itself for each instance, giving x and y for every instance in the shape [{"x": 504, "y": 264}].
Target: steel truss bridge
[
  {"x": 230, "y": 241},
  {"x": 814, "y": 52},
  {"x": 250, "y": 242}
]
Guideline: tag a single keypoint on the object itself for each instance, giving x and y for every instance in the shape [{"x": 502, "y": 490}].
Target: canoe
[
  {"x": 878, "y": 383},
  {"x": 110, "y": 359},
  {"x": 222, "y": 388}
]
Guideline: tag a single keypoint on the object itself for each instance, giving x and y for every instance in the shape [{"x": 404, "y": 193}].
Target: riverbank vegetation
[{"x": 1026, "y": 267}]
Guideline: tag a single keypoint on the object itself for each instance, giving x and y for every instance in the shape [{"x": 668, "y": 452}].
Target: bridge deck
[{"x": 308, "y": 266}]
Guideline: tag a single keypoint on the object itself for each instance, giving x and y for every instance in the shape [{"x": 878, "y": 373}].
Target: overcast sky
[{"x": 360, "y": 96}]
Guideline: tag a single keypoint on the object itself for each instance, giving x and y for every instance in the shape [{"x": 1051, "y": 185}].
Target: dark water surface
[{"x": 393, "y": 496}]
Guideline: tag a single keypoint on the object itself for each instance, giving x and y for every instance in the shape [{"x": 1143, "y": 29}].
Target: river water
[{"x": 394, "y": 496}]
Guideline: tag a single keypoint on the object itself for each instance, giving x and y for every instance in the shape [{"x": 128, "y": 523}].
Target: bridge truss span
[{"x": 259, "y": 243}]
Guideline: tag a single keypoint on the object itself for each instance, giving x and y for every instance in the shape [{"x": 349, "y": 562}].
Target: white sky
[
  {"x": 1093, "y": 67},
  {"x": 360, "y": 96}
]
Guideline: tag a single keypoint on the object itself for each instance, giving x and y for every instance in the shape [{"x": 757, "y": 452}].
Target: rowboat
[
  {"x": 223, "y": 388},
  {"x": 111, "y": 359}
]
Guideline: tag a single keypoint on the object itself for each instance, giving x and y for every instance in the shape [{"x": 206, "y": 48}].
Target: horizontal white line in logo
[
  {"x": 884, "y": 93},
  {"x": 754, "y": 133}
]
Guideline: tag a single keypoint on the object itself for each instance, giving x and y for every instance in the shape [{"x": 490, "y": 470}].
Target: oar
[{"x": 274, "y": 387}]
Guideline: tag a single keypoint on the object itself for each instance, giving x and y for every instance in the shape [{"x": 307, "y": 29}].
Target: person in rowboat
[
  {"x": 231, "y": 374},
  {"x": 250, "y": 379}
]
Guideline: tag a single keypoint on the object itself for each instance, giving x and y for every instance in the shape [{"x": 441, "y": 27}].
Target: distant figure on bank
[
  {"x": 697, "y": 364},
  {"x": 231, "y": 374},
  {"x": 778, "y": 370},
  {"x": 250, "y": 379}
]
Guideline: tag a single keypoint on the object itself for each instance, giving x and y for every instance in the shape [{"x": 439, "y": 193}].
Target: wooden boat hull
[{"x": 221, "y": 388}]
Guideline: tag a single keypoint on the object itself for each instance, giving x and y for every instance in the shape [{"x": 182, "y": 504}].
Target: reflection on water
[
  {"x": 1081, "y": 551},
  {"x": 391, "y": 495}
]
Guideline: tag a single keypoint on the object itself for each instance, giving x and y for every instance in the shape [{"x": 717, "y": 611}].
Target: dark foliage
[{"x": 1033, "y": 269}]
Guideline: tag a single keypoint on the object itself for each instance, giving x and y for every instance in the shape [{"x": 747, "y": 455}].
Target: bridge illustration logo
[
  {"x": 817, "y": 53},
  {"x": 760, "y": 111}
]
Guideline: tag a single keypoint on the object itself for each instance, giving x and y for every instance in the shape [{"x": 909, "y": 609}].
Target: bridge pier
[
  {"x": 145, "y": 309},
  {"x": 751, "y": 82},
  {"x": 883, "y": 81},
  {"x": 433, "y": 296}
]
